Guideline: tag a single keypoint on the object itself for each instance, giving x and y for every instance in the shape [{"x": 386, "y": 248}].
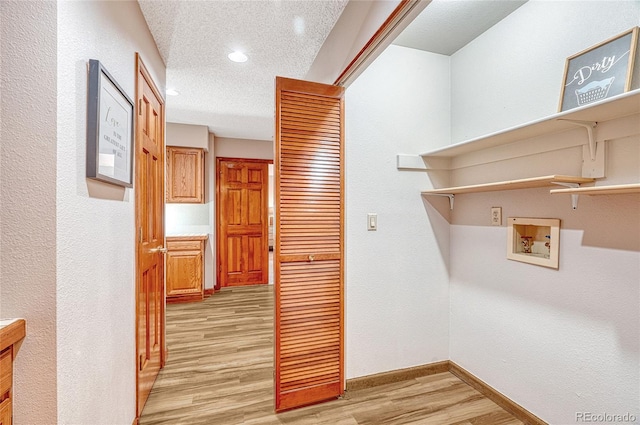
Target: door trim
[{"x": 405, "y": 12}]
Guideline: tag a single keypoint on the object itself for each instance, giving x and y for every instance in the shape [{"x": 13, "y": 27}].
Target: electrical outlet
[{"x": 496, "y": 216}]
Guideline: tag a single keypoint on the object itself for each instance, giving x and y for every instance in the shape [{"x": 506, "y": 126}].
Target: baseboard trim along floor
[
  {"x": 396, "y": 376},
  {"x": 476, "y": 383}
]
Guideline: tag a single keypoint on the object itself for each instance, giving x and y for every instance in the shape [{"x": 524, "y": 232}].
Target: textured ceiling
[
  {"x": 280, "y": 37},
  {"x": 445, "y": 26}
]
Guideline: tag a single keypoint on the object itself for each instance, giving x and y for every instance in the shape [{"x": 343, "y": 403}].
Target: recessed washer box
[{"x": 533, "y": 240}]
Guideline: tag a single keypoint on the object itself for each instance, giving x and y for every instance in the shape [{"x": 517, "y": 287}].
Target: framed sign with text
[
  {"x": 109, "y": 129},
  {"x": 599, "y": 72}
]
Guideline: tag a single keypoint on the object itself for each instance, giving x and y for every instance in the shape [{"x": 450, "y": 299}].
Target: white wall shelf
[
  {"x": 510, "y": 185},
  {"x": 529, "y": 183},
  {"x": 621, "y": 108},
  {"x": 615, "y": 107},
  {"x": 601, "y": 190}
]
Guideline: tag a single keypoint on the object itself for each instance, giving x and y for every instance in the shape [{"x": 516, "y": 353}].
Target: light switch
[{"x": 372, "y": 221}]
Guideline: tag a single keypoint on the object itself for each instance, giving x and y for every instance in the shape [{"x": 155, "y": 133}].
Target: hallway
[
  {"x": 220, "y": 360},
  {"x": 219, "y": 371}
]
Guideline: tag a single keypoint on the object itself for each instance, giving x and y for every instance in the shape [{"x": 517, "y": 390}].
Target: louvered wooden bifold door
[{"x": 309, "y": 319}]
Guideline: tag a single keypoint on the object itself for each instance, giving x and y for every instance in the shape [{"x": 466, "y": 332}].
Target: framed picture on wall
[
  {"x": 599, "y": 72},
  {"x": 109, "y": 129}
]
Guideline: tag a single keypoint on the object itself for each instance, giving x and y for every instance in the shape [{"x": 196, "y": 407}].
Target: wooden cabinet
[
  {"x": 185, "y": 268},
  {"x": 11, "y": 333},
  {"x": 6, "y": 379},
  {"x": 185, "y": 175}
]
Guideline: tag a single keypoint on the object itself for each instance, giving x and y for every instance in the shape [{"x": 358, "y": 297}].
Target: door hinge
[
  {"x": 140, "y": 234},
  {"x": 139, "y": 106}
]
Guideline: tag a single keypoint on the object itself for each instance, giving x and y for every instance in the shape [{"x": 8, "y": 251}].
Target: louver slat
[{"x": 309, "y": 243}]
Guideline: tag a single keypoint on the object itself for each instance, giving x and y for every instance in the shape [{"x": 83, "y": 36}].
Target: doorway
[{"x": 242, "y": 217}]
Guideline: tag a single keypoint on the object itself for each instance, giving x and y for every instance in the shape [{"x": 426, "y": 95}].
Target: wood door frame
[
  {"x": 141, "y": 69},
  {"x": 265, "y": 213}
]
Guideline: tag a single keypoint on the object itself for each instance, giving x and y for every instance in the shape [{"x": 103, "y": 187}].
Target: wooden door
[
  {"x": 149, "y": 207},
  {"x": 309, "y": 262},
  {"x": 243, "y": 237}
]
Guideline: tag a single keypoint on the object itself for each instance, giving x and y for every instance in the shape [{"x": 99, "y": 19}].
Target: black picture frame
[
  {"x": 599, "y": 72},
  {"x": 109, "y": 129}
]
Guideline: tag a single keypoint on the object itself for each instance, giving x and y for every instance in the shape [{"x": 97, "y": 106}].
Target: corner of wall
[
  {"x": 95, "y": 241},
  {"x": 28, "y": 252},
  {"x": 396, "y": 277}
]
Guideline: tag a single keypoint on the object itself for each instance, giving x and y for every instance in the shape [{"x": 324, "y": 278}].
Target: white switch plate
[
  {"x": 372, "y": 221},
  {"x": 496, "y": 216}
]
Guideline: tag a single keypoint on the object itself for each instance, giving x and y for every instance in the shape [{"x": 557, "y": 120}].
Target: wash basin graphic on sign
[{"x": 595, "y": 90}]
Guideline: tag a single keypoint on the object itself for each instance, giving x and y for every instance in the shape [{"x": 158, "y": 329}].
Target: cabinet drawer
[
  {"x": 5, "y": 412},
  {"x": 184, "y": 245},
  {"x": 6, "y": 371}
]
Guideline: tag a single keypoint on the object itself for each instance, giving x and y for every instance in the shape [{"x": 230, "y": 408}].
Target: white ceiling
[
  {"x": 281, "y": 38},
  {"x": 445, "y": 26}
]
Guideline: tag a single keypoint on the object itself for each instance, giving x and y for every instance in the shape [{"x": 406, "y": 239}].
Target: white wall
[
  {"x": 556, "y": 341},
  {"x": 187, "y": 135},
  {"x": 244, "y": 148},
  {"x": 512, "y": 74},
  {"x": 28, "y": 199},
  {"x": 95, "y": 221},
  {"x": 396, "y": 277}
]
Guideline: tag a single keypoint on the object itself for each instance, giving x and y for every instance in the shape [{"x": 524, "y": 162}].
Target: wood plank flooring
[{"x": 219, "y": 371}]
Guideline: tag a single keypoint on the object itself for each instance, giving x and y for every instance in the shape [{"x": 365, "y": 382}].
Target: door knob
[
  {"x": 311, "y": 258},
  {"x": 159, "y": 249}
]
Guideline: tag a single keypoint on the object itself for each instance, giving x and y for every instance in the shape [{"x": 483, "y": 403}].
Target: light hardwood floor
[{"x": 219, "y": 372}]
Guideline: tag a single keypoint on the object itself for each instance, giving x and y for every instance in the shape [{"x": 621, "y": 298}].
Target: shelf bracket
[
  {"x": 451, "y": 197},
  {"x": 589, "y": 125},
  {"x": 574, "y": 196}
]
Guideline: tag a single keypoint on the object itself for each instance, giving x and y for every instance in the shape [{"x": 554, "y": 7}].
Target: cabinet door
[
  {"x": 184, "y": 273},
  {"x": 6, "y": 379},
  {"x": 185, "y": 175},
  {"x": 6, "y": 371}
]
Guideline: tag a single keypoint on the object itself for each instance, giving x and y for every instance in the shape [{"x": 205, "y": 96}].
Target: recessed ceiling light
[
  {"x": 172, "y": 92},
  {"x": 298, "y": 25},
  {"x": 238, "y": 56}
]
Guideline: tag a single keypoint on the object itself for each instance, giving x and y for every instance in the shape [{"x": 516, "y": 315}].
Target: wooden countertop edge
[
  {"x": 12, "y": 333},
  {"x": 188, "y": 238}
]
